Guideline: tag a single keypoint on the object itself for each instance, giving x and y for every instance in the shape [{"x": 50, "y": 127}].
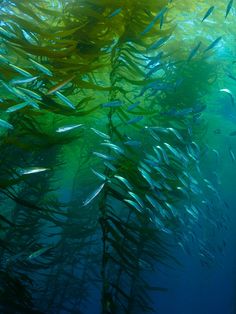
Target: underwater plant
[{"x": 96, "y": 103}]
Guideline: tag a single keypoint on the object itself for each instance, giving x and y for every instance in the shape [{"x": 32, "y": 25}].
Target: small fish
[
  {"x": 3, "y": 59},
  {"x": 103, "y": 156},
  {"x": 176, "y": 133},
  {"x": 145, "y": 166},
  {"x": 135, "y": 120},
  {"x": 165, "y": 157},
  {"x": 162, "y": 21},
  {"x": 65, "y": 100},
  {"x": 33, "y": 104},
  {"x": 146, "y": 176},
  {"x": 99, "y": 175},
  {"x": 5, "y": 124},
  {"x": 17, "y": 107},
  {"x": 159, "y": 43},
  {"x": 114, "y": 147},
  {"x": 40, "y": 252},
  {"x": 32, "y": 170},
  {"x": 213, "y": 44},
  {"x": 160, "y": 15},
  {"x": 101, "y": 134},
  {"x": 21, "y": 71},
  {"x": 194, "y": 51},
  {"x": 173, "y": 151},
  {"x": 216, "y": 153},
  {"x": 115, "y": 103},
  {"x": 137, "y": 198},
  {"x": 41, "y": 67},
  {"x": 110, "y": 166},
  {"x": 134, "y": 204},
  {"x": 24, "y": 81},
  {"x": 131, "y": 107},
  {"x": 227, "y": 91},
  {"x": 125, "y": 181},
  {"x": 133, "y": 143},
  {"x": 68, "y": 128},
  {"x": 159, "y": 169},
  {"x": 6, "y": 33},
  {"x": 231, "y": 76},
  {"x": 209, "y": 11},
  {"x": 229, "y": 7},
  {"x": 116, "y": 12},
  {"x": 153, "y": 202},
  {"x": 30, "y": 93},
  {"x": 232, "y": 133},
  {"x": 60, "y": 85},
  {"x": 13, "y": 90},
  {"x": 93, "y": 195},
  {"x": 232, "y": 154}
]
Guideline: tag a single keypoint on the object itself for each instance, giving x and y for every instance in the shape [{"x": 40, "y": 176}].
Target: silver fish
[
  {"x": 103, "y": 156},
  {"x": 227, "y": 91},
  {"x": 67, "y": 128},
  {"x": 23, "y": 81},
  {"x": 32, "y": 170},
  {"x": 41, "y": 67},
  {"x": 3, "y": 59},
  {"x": 65, "y": 100},
  {"x": 110, "y": 166},
  {"x": 21, "y": 71},
  {"x": 99, "y": 175},
  {"x": 6, "y": 33},
  {"x": 30, "y": 93},
  {"x": 17, "y": 107},
  {"x": 232, "y": 154},
  {"x": 147, "y": 177},
  {"x": 114, "y": 147},
  {"x": 134, "y": 204},
  {"x": 133, "y": 143},
  {"x": 101, "y": 134},
  {"x": 93, "y": 195},
  {"x": 40, "y": 252},
  {"x": 125, "y": 181},
  {"x": 6, "y": 125},
  {"x": 137, "y": 198}
]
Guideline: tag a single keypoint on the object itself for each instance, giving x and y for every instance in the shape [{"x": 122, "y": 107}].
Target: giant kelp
[{"x": 100, "y": 65}]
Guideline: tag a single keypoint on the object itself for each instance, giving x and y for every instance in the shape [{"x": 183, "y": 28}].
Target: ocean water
[{"x": 118, "y": 155}]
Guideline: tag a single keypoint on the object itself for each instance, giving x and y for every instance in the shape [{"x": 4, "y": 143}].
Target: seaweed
[{"x": 133, "y": 167}]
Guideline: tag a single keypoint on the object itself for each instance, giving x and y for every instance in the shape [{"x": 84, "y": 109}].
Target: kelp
[{"x": 99, "y": 64}]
